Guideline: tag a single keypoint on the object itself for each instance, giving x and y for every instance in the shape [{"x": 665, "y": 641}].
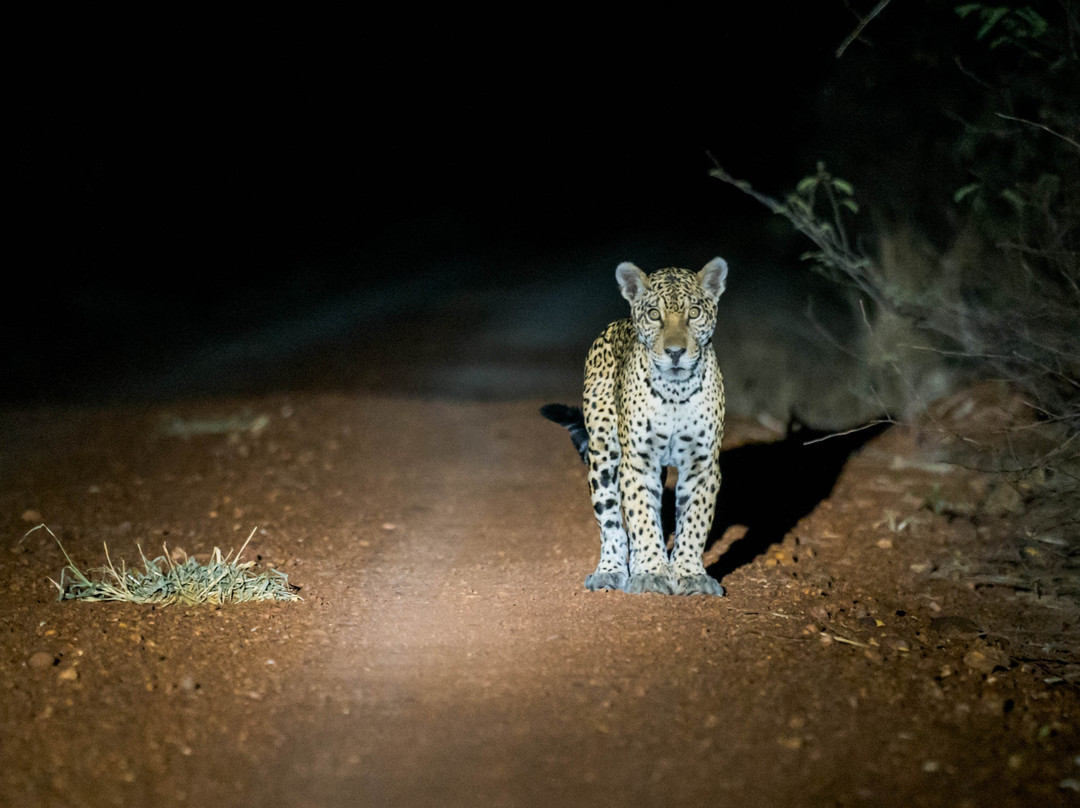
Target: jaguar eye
[
  {"x": 654, "y": 314},
  {"x": 694, "y": 312}
]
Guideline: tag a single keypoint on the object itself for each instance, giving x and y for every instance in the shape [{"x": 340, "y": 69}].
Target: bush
[{"x": 999, "y": 296}]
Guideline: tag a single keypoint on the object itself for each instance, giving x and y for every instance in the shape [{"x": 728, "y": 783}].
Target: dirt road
[{"x": 446, "y": 653}]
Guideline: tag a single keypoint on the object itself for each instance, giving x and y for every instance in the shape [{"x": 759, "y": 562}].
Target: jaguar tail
[{"x": 574, "y": 420}]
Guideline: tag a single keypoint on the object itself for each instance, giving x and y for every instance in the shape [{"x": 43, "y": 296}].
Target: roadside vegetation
[{"x": 948, "y": 202}]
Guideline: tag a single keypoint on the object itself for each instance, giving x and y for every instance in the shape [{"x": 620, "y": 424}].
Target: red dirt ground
[{"x": 912, "y": 641}]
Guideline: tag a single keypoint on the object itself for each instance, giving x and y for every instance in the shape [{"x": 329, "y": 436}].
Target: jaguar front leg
[
  {"x": 603, "y": 458},
  {"x": 641, "y": 494},
  {"x": 695, "y": 501}
]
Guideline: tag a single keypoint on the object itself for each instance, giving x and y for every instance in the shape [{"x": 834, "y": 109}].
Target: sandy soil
[{"x": 911, "y": 639}]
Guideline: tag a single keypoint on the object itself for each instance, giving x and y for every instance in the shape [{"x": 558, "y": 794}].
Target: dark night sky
[{"x": 185, "y": 168}]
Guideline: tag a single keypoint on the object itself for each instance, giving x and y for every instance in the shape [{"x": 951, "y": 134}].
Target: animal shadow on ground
[{"x": 769, "y": 487}]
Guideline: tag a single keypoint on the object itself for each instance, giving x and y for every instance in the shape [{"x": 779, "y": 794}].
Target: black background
[{"x": 179, "y": 178}]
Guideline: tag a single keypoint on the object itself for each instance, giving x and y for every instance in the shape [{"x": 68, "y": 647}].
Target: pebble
[
  {"x": 874, "y": 656},
  {"x": 69, "y": 675},
  {"x": 985, "y": 659},
  {"x": 41, "y": 659}
]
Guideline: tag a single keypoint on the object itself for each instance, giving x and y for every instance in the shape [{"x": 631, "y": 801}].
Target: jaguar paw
[
  {"x": 701, "y": 584},
  {"x": 605, "y": 580}
]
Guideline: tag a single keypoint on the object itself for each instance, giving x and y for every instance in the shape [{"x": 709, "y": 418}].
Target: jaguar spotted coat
[{"x": 654, "y": 398}]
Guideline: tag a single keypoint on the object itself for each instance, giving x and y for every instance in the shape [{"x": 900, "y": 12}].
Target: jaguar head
[{"x": 674, "y": 313}]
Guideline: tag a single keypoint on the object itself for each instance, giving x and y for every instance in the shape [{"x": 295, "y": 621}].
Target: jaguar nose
[{"x": 675, "y": 354}]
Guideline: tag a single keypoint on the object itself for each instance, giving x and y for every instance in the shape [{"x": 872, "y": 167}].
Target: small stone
[
  {"x": 954, "y": 625},
  {"x": 986, "y": 658},
  {"x": 41, "y": 659},
  {"x": 69, "y": 674},
  {"x": 978, "y": 661},
  {"x": 874, "y": 656},
  {"x": 32, "y": 516}
]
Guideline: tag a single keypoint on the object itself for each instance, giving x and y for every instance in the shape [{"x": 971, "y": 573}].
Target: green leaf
[
  {"x": 1013, "y": 199},
  {"x": 1036, "y": 23},
  {"x": 850, "y": 204},
  {"x": 992, "y": 18},
  {"x": 806, "y": 184},
  {"x": 965, "y": 191},
  {"x": 843, "y": 186}
]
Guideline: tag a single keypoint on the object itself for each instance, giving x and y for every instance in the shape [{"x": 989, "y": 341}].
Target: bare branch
[
  {"x": 1038, "y": 125},
  {"x": 870, "y": 425},
  {"x": 859, "y": 28}
]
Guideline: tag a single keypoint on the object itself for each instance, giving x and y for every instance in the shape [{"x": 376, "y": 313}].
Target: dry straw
[{"x": 223, "y": 579}]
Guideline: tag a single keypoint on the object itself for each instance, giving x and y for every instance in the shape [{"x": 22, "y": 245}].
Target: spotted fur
[{"x": 654, "y": 398}]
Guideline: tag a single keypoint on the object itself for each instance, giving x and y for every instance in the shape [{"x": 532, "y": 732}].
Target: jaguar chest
[{"x": 664, "y": 433}]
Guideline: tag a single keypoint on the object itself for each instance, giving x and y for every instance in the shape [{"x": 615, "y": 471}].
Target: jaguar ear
[
  {"x": 632, "y": 281},
  {"x": 713, "y": 278}
]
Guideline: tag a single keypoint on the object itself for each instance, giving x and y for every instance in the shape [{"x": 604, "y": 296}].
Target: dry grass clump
[{"x": 163, "y": 581}]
